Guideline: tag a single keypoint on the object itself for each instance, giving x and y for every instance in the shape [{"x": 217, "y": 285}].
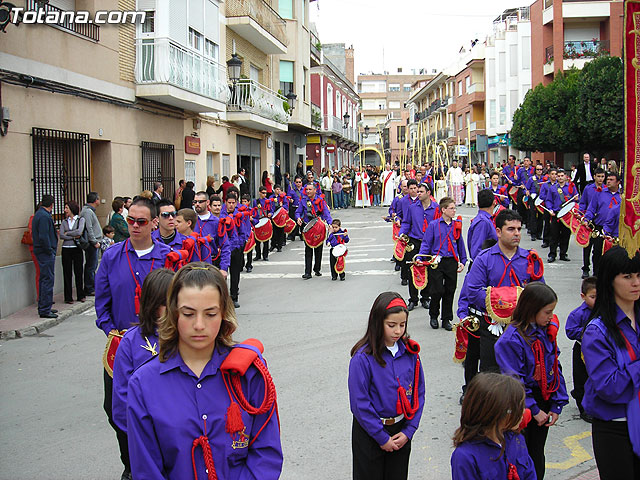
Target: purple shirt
[
  {"x": 438, "y": 239},
  {"x": 504, "y": 200},
  {"x": 534, "y": 184},
  {"x": 463, "y": 299},
  {"x": 240, "y": 233},
  {"x": 334, "y": 240},
  {"x": 512, "y": 174},
  {"x": 515, "y": 356},
  {"x": 481, "y": 229},
  {"x": 493, "y": 268},
  {"x": 175, "y": 244},
  {"x": 588, "y": 194},
  {"x": 611, "y": 224},
  {"x": 600, "y": 205},
  {"x": 523, "y": 175},
  {"x": 219, "y": 244},
  {"x": 417, "y": 218},
  {"x": 479, "y": 459},
  {"x": 373, "y": 390},
  {"x": 277, "y": 202},
  {"x": 554, "y": 200},
  {"x": 166, "y": 412},
  {"x": 295, "y": 195},
  {"x": 394, "y": 207},
  {"x": 306, "y": 213},
  {"x": 132, "y": 352},
  {"x": 610, "y": 387},
  {"x": 576, "y": 321},
  {"x": 116, "y": 287},
  {"x": 402, "y": 209}
]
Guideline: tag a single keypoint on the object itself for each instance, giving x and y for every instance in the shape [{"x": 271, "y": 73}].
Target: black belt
[{"x": 476, "y": 312}]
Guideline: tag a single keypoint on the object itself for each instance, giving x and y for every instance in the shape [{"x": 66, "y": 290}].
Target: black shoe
[
  {"x": 544, "y": 245},
  {"x": 291, "y": 239},
  {"x": 533, "y": 239},
  {"x": 342, "y": 278},
  {"x": 249, "y": 269},
  {"x": 446, "y": 324},
  {"x": 306, "y": 276},
  {"x": 404, "y": 282},
  {"x": 393, "y": 259},
  {"x": 434, "y": 322},
  {"x": 564, "y": 258},
  {"x": 334, "y": 278},
  {"x": 266, "y": 259},
  {"x": 585, "y": 275},
  {"x": 317, "y": 274},
  {"x": 551, "y": 259},
  {"x": 398, "y": 268},
  {"x": 411, "y": 306},
  {"x": 48, "y": 315},
  {"x": 126, "y": 475},
  {"x": 586, "y": 417},
  {"x": 279, "y": 249},
  {"x": 257, "y": 259},
  {"x": 53, "y": 310},
  {"x": 272, "y": 249},
  {"x": 426, "y": 304}
]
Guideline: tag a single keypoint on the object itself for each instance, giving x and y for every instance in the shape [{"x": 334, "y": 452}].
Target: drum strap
[
  {"x": 447, "y": 238},
  {"x": 403, "y": 405},
  {"x": 138, "y": 291},
  {"x": 613, "y": 201},
  {"x": 512, "y": 275},
  {"x": 540, "y": 371}
]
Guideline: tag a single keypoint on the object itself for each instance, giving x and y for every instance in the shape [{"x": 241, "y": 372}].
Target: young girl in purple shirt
[
  {"x": 386, "y": 392},
  {"x": 488, "y": 442}
]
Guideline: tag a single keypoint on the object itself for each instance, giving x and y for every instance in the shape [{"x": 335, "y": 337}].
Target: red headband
[{"x": 397, "y": 302}]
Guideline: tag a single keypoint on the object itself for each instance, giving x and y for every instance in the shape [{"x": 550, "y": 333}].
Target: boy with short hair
[
  {"x": 576, "y": 322},
  {"x": 336, "y": 237},
  {"x": 108, "y": 232}
]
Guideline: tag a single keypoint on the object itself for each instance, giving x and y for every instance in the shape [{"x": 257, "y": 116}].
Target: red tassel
[
  {"x": 513, "y": 472},
  {"x": 136, "y": 299},
  {"x": 234, "y": 422}
]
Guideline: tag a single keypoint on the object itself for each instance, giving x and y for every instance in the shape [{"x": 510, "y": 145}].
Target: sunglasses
[
  {"x": 199, "y": 201},
  {"x": 173, "y": 214},
  {"x": 140, "y": 221}
]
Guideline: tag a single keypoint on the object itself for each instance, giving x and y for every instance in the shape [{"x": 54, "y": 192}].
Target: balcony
[
  {"x": 585, "y": 10},
  {"x": 476, "y": 126},
  {"x": 585, "y": 49},
  {"x": 257, "y": 22},
  {"x": 548, "y": 67},
  {"x": 255, "y": 106},
  {"x": 444, "y": 102},
  {"x": 332, "y": 124},
  {"x": 169, "y": 73},
  {"x": 89, "y": 31},
  {"x": 547, "y": 12},
  {"x": 451, "y": 105}
]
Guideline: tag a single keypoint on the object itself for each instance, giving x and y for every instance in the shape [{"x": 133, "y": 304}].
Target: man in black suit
[
  {"x": 158, "y": 188},
  {"x": 586, "y": 171}
]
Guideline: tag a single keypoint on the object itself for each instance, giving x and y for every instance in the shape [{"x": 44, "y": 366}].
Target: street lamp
[
  {"x": 291, "y": 97},
  {"x": 234, "y": 64},
  {"x": 366, "y": 131},
  {"x": 346, "y": 118}
]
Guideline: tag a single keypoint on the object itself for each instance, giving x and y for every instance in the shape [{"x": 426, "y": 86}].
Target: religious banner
[{"x": 630, "y": 208}]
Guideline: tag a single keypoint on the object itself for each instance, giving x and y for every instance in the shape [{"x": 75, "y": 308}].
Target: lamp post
[
  {"x": 291, "y": 98},
  {"x": 234, "y": 65},
  {"x": 346, "y": 117}
]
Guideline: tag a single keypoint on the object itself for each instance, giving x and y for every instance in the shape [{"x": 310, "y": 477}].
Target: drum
[
  {"x": 314, "y": 233},
  {"x": 513, "y": 193},
  {"x": 339, "y": 250},
  {"x": 264, "y": 230},
  {"x": 539, "y": 203},
  {"x": 251, "y": 243},
  {"x": 289, "y": 226},
  {"x": 109, "y": 355},
  {"x": 566, "y": 214},
  {"x": 496, "y": 210},
  {"x": 396, "y": 231},
  {"x": 280, "y": 217}
]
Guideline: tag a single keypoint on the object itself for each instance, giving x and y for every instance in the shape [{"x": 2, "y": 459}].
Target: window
[
  {"x": 467, "y": 82},
  {"x": 491, "y": 72},
  {"x": 460, "y": 88},
  {"x": 226, "y": 165},
  {"x": 381, "y": 106},
  {"x": 61, "y": 167},
  {"x": 460, "y": 122},
  {"x": 503, "y": 109},
  {"x": 513, "y": 103},
  {"x": 492, "y": 114},
  {"x": 502, "y": 66},
  {"x": 401, "y": 131},
  {"x": 394, "y": 87},
  {"x": 338, "y": 105},
  {"x": 467, "y": 119},
  {"x": 195, "y": 39},
  {"x": 158, "y": 165},
  {"x": 209, "y": 164},
  {"x": 513, "y": 60},
  {"x": 394, "y": 104},
  {"x": 286, "y": 76},
  {"x": 526, "y": 53},
  {"x": 190, "y": 171},
  {"x": 406, "y": 87},
  {"x": 285, "y": 8},
  {"x": 254, "y": 73},
  {"x": 149, "y": 22},
  {"x": 305, "y": 72},
  {"x": 303, "y": 13},
  {"x": 372, "y": 86},
  {"x": 210, "y": 49}
]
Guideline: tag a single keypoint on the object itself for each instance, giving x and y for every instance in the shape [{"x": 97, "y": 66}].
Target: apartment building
[
  {"x": 383, "y": 100},
  {"x": 567, "y": 33},
  {"x": 508, "y": 69}
]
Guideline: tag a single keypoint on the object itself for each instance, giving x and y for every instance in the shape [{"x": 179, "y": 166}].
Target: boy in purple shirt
[
  {"x": 576, "y": 323},
  {"x": 337, "y": 236}
]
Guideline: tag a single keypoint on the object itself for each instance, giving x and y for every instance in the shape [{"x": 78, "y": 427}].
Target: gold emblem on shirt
[
  {"x": 243, "y": 440},
  {"x": 150, "y": 348}
]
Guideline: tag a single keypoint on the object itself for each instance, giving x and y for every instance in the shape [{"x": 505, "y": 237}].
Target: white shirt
[
  {"x": 393, "y": 349},
  {"x": 142, "y": 253},
  {"x": 587, "y": 171},
  {"x": 71, "y": 221},
  {"x": 205, "y": 217}
]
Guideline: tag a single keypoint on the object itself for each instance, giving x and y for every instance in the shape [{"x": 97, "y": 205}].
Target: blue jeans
[
  {"x": 47, "y": 263},
  {"x": 90, "y": 266},
  {"x": 376, "y": 200},
  {"x": 337, "y": 200},
  {"x": 346, "y": 198}
]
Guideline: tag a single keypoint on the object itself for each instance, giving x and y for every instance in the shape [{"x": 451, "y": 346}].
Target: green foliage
[{"x": 579, "y": 110}]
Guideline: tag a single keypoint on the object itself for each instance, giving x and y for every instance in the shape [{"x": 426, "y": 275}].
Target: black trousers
[
  {"x": 522, "y": 209},
  {"x": 612, "y": 448},
  {"x": 442, "y": 287},
  {"x": 579, "y": 375},
  {"x": 278, "y": 239},
  {"x": 487, "y": 343},
  {"x": 235, "y": 267},
  {"x": 560, "y": 236},
  {"x": 413, "y": 291},
  {"x": 296, "y": 231},
  {"x": 262, "y": 250},
  {"x": 123, "y": 444},
  {"x": 597, "y": 251},
  {"x": 472, "y": 360},
  {"x": 370, "y": 462},
  {"x": 249, "y": 262},
  {"x": 586, "y": 257},
  {"x": 332, "y": 263},
  {"x": 536, "y": 437},
  {"x": 312, "y": 254},
  {"x": 536, "y": 219},
  {"x": 72, "y": 261},
  {"x": 546, "y": 230}
]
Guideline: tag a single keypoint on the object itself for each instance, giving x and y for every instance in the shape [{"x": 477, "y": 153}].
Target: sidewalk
[{"x": 27, "y": 321}]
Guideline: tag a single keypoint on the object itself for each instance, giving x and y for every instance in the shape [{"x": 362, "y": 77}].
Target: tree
[{"x": 600, "y": 105}]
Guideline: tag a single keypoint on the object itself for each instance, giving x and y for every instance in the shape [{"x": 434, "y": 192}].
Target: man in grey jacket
[
  {"x": 94, "y": 232},
  {"x": 45, "y": 245}
]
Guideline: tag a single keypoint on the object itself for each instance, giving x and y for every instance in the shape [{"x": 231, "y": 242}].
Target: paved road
[{"x": 52, "y": 425}]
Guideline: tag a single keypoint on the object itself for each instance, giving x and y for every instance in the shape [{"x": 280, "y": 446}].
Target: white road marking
[
  {"x": 256, "y": 276},
  {"x": 297, "y": 262}
]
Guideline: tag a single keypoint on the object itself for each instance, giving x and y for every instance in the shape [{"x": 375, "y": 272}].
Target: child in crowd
[
  {"x": 386, "y": 392},
  {"x": 108, "y": 232},
  {"x": 188, "y": 414},
  {"x": 488, "y": 442},
  {"x": 246, "y": 201},
  {"x": 576, "y": 323},
  {"x": 528, "y": 349},
  {"x": 199, "y": 251},
  {"x": 337, "y": 236}
]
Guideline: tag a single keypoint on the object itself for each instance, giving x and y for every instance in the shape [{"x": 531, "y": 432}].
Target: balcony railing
[
  {"x": 548, "y": 54},
  {"x": 262, "y": 13},
  {"x": 586, "y": 48},
  {"x": 475, "y": 87},
  {"x": 251, "y": 97},
  {"x": 90, "y": 31},
  {"x": 477, "y": 125},
  {"x": 161, "y": 60},
  {"x": 333, "y": 124}
]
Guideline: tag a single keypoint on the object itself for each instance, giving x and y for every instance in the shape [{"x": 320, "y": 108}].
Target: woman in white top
[
  {"x": 71, "y": 229},
  {"x": 441, "y": 188}
]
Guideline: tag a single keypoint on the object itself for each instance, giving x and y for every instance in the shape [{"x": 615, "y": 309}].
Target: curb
[{"x": 45, "y": 323}]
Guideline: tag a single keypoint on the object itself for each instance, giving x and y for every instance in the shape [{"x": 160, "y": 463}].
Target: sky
[{"x": 406, "y": 33}]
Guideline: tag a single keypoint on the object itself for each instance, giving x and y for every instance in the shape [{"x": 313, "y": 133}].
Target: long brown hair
[
  {"x": 373, "y": 339},
  {"x": 195, "y": 275},
  {"x": 154, "y": 296},
  {"x": 493, "y": 403},
  {"x": 533, "y": 298}
]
